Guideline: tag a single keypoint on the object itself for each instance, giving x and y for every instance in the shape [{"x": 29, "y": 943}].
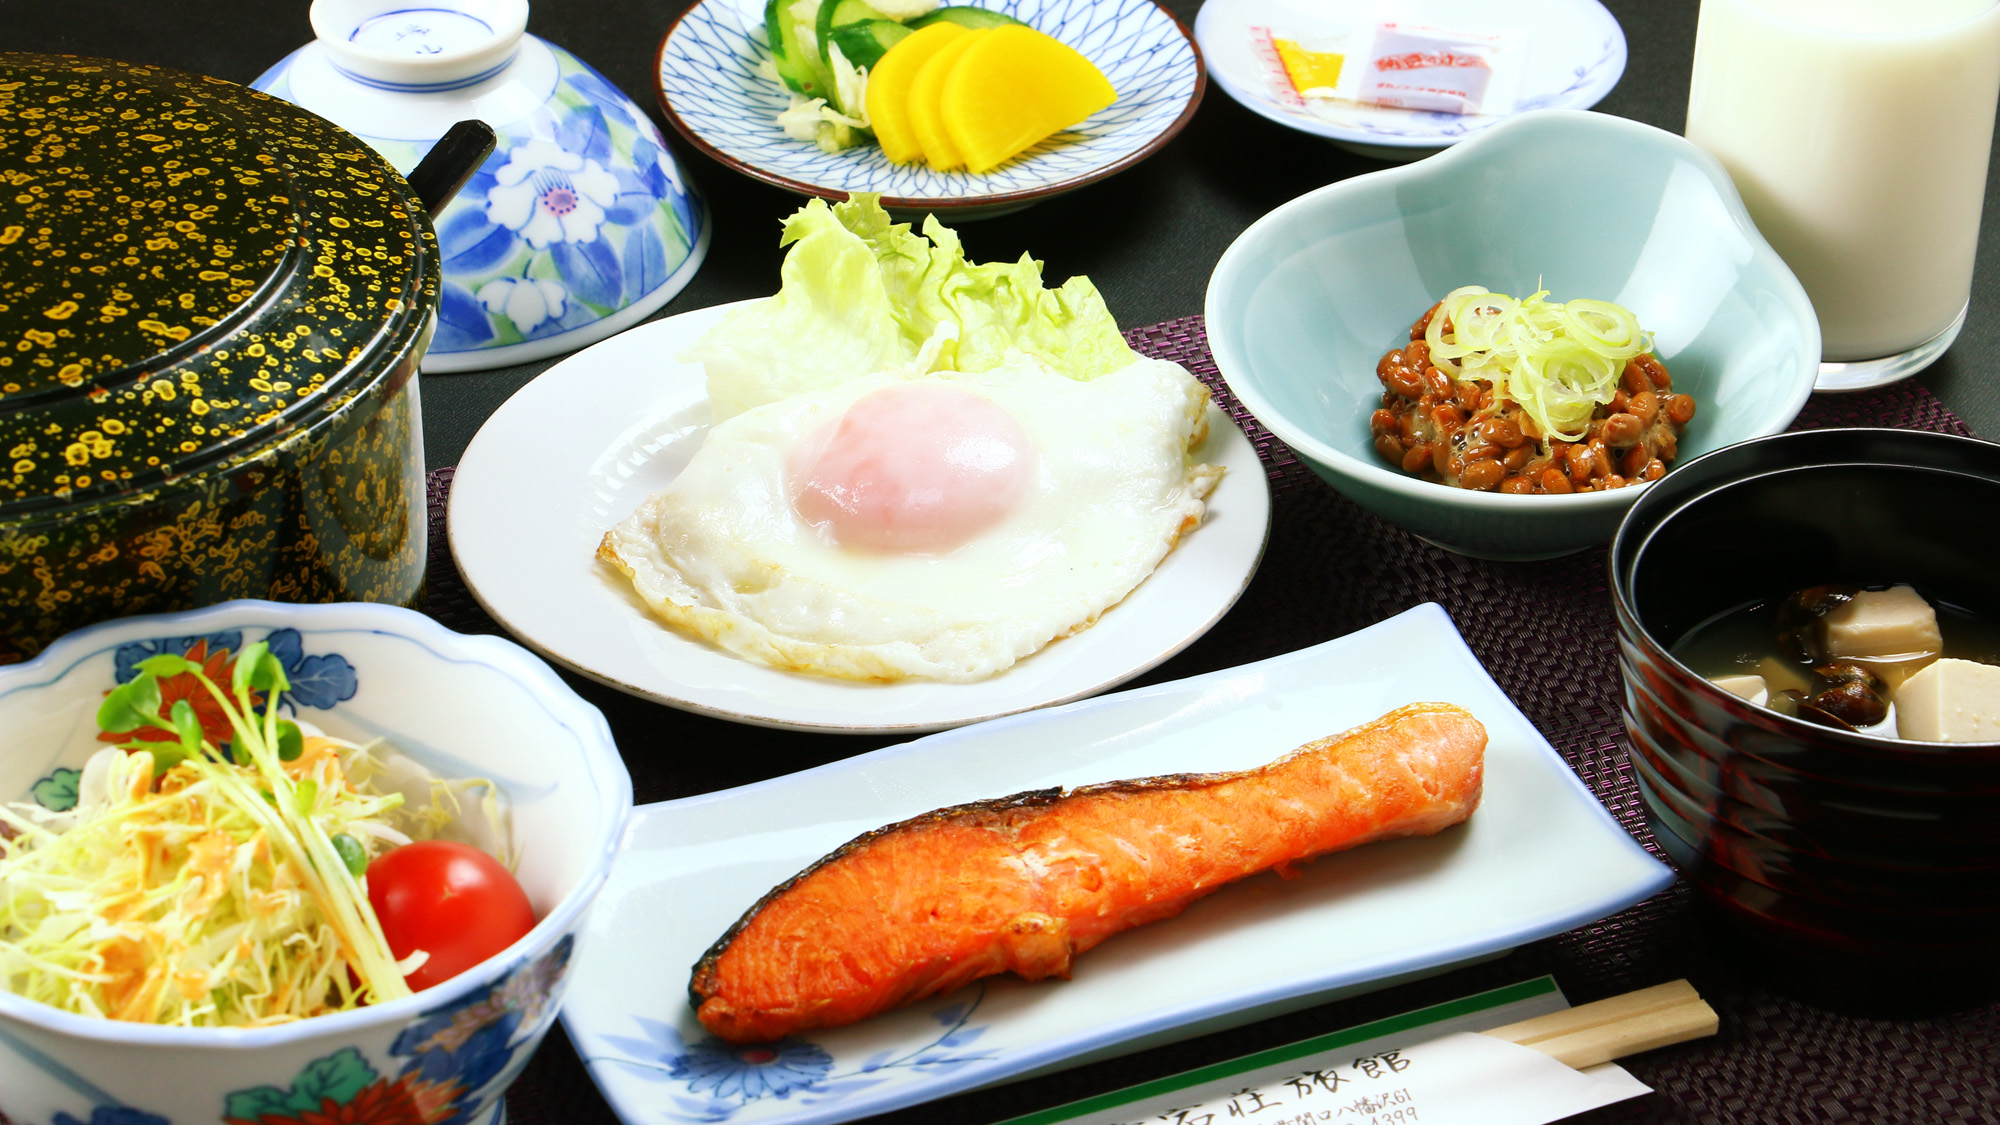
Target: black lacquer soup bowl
[{"x": 1842, "y": 850}]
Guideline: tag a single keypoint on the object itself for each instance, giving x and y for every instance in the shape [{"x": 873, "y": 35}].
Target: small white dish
[
  {"x": 1540, "y": 856},
  {"x": 577, "y": 449},
  {"x": 1574, "y": 55},
  {"x": 579, "y": 224},
  {"x": 707, "y": 80}
]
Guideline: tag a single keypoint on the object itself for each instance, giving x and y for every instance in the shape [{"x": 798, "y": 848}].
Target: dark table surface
[{"x": 1148, "y": 238}]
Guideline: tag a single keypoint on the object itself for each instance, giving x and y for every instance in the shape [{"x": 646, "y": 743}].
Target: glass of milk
[{"x": 1858, "y": 132}]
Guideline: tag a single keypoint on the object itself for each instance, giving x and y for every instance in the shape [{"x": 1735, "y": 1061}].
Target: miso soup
[{"x": 1747, "y": 641}]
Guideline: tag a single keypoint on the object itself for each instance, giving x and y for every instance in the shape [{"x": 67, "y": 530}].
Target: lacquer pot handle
[{"x": 451, "y": 162}]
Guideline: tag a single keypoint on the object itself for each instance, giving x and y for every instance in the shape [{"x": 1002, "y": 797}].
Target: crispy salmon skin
[{"x": 1024, "y": 883}]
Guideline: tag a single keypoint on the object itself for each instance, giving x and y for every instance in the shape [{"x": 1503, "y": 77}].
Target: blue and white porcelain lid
[{"x": 580, "y": 223}]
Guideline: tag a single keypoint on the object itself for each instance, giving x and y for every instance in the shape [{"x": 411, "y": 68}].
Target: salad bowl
[
  {"x": 459, "y": 707},
  {"x": 711, "y": 85}
]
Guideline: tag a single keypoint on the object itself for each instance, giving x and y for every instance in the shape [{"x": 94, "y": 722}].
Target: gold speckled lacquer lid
[{"x": 190, "y": 271}]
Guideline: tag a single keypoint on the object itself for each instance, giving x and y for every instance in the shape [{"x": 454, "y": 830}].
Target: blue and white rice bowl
[
  {"x": 461, "y": 706},
  {"x": 708, "y": 79},
  {"x": 578, "y": 226}
]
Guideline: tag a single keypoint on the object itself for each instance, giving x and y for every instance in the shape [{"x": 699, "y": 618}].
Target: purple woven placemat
[{"x": 1545, "y": 631}]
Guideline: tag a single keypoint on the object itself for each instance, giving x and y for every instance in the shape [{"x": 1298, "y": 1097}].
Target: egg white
[{"x": 721, "y": 554}]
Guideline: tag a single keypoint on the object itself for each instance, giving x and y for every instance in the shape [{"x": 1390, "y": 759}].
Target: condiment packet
[
  {"x": 1315, "y": 64},
  {"x": 1304, "y": 67},
  {"x": 1360, "y": 57},
  {"x": 1444, "y": 71}
]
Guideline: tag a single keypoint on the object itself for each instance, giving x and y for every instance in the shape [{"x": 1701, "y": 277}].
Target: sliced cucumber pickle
[
  {"x": 795, "y": 52},
  {"x": 776, "y": 18},
  {"x": 863, "y": 44},
  {"x": 839, "y": 13},
  {"x": 964, "y": 16}
]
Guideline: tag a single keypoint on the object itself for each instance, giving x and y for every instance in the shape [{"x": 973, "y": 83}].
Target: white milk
[{"x": 1857, "y": 132}]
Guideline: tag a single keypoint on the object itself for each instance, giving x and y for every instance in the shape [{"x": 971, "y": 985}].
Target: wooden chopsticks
[{"x": 1615, "y": 1027}]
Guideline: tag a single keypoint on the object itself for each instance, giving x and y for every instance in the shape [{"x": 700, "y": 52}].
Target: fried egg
[{"x": 938, "y": 526}]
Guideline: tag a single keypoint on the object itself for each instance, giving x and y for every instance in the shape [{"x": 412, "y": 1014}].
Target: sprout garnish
[{"x": 201, "y": 884}]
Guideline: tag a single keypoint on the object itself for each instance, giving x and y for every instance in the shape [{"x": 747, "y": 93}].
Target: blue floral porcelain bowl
[
  {"x": 578, "y": 226},
  {"x": 1305, "y": 302},
  {"x": 710, "y": 85},
  {"x": 464, "y": 706}
]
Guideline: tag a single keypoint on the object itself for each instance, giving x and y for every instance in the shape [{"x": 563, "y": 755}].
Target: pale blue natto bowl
[{"x": 1305, "y": 302}]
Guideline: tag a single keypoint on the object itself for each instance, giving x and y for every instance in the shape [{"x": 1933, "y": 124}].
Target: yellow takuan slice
[
  {"x": 1014, "y": 86},
  {"x": 889, "y": 89},
  {"x": 927, "y": 101}
]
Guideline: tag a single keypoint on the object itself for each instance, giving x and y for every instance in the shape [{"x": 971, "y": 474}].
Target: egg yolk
[{"x": 917, "y": 469}]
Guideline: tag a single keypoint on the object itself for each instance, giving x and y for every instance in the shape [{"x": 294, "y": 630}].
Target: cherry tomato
[{"x": 451, "y": 900}]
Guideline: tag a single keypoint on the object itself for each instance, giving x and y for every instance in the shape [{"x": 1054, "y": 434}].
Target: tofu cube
[
  {"x": 1781, "y": 674},
  {"x": 1951, "y": 701},
  {"x": 1751, "y": 688},
  {"x": 1896, "y": 623}
]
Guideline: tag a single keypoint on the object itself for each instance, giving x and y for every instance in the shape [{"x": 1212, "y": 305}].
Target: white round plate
[
  {"x": 707, "y": 80},
  {"x": 1575, "y": 55},
  {"x": 577, "y": 449}
]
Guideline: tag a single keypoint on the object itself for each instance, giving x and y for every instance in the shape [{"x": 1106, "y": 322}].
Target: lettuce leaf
[{"x": 860, "y": 295}]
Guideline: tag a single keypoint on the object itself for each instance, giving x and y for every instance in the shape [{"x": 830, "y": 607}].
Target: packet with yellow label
[{"x": 1366, "y": 59}]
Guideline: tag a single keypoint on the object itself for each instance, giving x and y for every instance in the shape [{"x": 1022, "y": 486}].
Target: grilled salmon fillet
[{"x": 1027, "y": 882}]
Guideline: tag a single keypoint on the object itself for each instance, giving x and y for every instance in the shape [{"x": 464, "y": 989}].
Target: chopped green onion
[{"x": 1560, "y": 362}]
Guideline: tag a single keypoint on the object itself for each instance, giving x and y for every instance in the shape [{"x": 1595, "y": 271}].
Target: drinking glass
[{"x": 1858, "y": 132}]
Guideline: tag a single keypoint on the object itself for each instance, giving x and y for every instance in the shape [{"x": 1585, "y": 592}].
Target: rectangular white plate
[{"x": 1539, "y": 857}]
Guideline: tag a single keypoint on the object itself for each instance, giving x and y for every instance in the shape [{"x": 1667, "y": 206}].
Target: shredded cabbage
[
  {"x": 815, "y": 119},
  {"x": 1559, "y": 361},
  {"x": 226, "y": 891}
]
